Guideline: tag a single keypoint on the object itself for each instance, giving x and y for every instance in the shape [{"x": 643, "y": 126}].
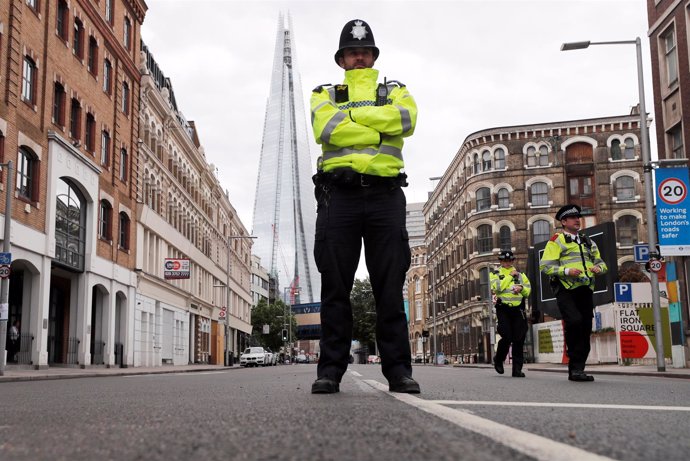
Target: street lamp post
[
  {"x": 649, "y": 193},
  {"x": 228, "y": 309},
  {"x": 5, "y": 288}
]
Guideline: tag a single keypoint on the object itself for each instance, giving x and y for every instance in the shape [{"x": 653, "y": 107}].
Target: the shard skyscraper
[{"x": 284, "y": 206}]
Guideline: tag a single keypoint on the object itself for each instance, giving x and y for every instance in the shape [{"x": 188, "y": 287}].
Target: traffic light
[{"x": 285, "y": 334}]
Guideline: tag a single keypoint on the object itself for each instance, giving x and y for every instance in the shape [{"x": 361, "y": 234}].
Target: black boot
[
  {"x": 498, "y": 366},
  {"x": 517, "y": 371}
]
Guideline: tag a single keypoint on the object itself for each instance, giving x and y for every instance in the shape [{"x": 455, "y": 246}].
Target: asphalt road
[{"x": 269, "y": 414}]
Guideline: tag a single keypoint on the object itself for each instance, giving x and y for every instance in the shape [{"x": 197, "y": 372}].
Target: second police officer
[
  {"x": 572, "y": 260},
  {"x": 510, "y": 288}
]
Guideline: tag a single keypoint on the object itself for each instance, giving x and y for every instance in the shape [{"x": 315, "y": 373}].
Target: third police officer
[{"x": 510, "y": 288}]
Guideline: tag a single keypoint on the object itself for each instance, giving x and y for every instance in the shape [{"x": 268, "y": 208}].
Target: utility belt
[{"x": 350, "y": 179}]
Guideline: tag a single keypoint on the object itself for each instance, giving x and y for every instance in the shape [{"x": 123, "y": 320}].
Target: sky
[{"x": 470, "y": 65}]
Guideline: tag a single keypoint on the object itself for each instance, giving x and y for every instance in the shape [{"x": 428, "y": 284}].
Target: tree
[
  {"x": 363, "y": 313},
  {"x": 273, "y": 316}
]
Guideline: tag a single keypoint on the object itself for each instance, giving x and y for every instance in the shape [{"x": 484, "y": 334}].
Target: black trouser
[
  {"x": 512, "y": 326},
  {"x": 346, "y": 216},
  {"x": 577, "y": 310}
]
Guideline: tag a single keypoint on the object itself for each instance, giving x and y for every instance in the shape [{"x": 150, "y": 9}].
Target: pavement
[{"x": 13, "y": 373}]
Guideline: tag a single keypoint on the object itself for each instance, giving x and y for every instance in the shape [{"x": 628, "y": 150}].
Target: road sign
[
  {"x": 655, "y": 265},
  {"x": 623, "y": 292},
  {"x": 673, "y": 211},
  {"x": 4, "y": 271},
  {"x": 5, "y": 258},
  {"x": 641, "y": 253}
]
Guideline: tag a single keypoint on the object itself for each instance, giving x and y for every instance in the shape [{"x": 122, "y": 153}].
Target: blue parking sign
[
  {"x": 641, "y": 253},
  {"x": 623, "y": 292},
  {"x": 5, "y": 258}
]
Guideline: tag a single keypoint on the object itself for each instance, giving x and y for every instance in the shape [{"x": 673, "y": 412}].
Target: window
[
  {"x": 128, "y": 34},
  {"x": 540, "y": 231},
  {"x": 62, "y": 21},
  {"x": 33, "y": 4},
  {"x": 27, "y": 168},
  {"x": 92, "y": 62},
  {"x": 616, "y": 150},
  {"x": 78, "y": 39},
  {"x": 125, "y": 98},
  {"x": 625, "y": 188},
  {"x": 123, "y": 231},
  {"x": 105, "y": 148},
  {"x": 504, "y": 238},
  {"x": 418, "y": 310},
  {"x": 105, "y": 220},
  {"x": 629, "y": 153},
  {"x": 670, "y": 55},
  {"x": 477, "y": 165},
  {"x": 484, "y": 283},
  {"x": 90, "y": 133},
  {"x": 75, "y": 120},
  {"x": 539, "y": 192},
  {"x": 70, "y": 229},
  {"x": 499, "y": 159},
  {"x": 29, "y": 81},
  {"x": 483, "y": 199},
  {"x": 109, "y": 11},
  {"x": 123, "y": 164},
  {"x": 417, "y": 285},
  {"x": 59, "y": 97},
  {"x": 531, "y": 156},
  {"x": 486, "y": 160},
  {"x": 484, "y": 238},
  {"x": 107, "y": 76},
  {"x": 503, "y": 198},
  {"x": 543, "y": 155},
  {"x": 676, "y": 140},
  {"x": 626, "y": 230}
]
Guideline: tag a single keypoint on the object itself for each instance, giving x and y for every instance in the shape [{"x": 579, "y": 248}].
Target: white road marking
[
  {"x": 561, "y": 405},
  {"x": 532, "y": 445},
  {"x": 354, "y": 373},
  {"x": 195, "y": 373}
]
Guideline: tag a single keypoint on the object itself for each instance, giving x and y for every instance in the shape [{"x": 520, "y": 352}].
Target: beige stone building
[{"x": 502, "y": 190}]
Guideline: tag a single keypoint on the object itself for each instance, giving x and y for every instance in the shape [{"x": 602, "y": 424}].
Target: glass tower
[{"x": 284, "y": 205}]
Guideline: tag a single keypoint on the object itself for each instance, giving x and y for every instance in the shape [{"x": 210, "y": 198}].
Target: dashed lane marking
[
  {"x": 195, "y": 373},
  {"x": 562, "y": 405},
  {"x": 532, "y": 445}
]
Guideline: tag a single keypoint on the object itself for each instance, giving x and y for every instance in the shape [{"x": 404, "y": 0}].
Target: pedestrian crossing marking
[{"x": 603, "y": 406}]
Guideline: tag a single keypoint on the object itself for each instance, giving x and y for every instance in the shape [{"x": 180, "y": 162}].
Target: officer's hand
[
  {"x": 595, "y": 269},
  {"x": 517, "y": 288},
  {"x": 514, "y": 274},
  {"x": 572, "y": 272}
]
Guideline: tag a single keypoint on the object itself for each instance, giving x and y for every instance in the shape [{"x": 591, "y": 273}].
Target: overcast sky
[{"x": 471, "y": 65}]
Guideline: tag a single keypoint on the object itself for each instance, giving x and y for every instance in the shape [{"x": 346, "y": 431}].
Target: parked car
[
  {"x": 373, "y": 359},
  {"x": 419, "y": 358},
  {"x": 253, "y": 357},
  {"x": 301, "y": 358}
]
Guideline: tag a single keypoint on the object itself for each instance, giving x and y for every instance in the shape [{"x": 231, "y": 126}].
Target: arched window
[
  {"x": 27, "y": 172},
  {"x": 629, "y": 153},
  {"x": 504, "y": 238},
  {"x": 531, "y": 156},
  {"x": 483, "y": 199},
  {"x": 105, "y": 220},
  {"x": 625, "y": 188},
  {"x": 486, "y": 161},
  {"x": 503, "y": 198},
  {"x": 477, "y": 165},
  {"x": 484, "y": 283},
  {"x": 499, "y": 159},
  {"x": 484, "y": 240},
  {"x": 540, "y": 231},
  {"x": 543, "y": 156},
  {"x": 616, "y": 150},
  {"x": 626, "y": 230},
  {"x": 123, "y": 231},
  {"x": 70, "y": 230},
  {"x": 539, "y": 194}
]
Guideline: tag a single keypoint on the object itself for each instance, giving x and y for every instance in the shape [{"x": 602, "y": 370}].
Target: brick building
[
  {"x": 502, "y": 190},
  {"x": 69, "y": 121}
]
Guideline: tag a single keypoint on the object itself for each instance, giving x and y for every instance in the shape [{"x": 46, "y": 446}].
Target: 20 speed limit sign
[
  {"x": 672, "y": 191},
  {"x": 655, "y": 265}
]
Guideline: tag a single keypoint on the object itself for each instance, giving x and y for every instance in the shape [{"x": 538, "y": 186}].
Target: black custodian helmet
[
  {"x": 356, "y": 34},
  {"x": 506, "y": 255}
]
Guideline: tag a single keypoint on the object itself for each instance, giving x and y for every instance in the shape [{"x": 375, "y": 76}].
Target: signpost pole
[{"x": 5, "y": 288}]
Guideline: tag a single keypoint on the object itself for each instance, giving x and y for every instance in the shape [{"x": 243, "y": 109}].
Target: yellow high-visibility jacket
[
  {"x": 354, "y": 132},
  {"x": 502, "y": 286},
  {"x": 562, "y": 252}
]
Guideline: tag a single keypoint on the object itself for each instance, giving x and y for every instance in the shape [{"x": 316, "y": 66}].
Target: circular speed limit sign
[
  {"x": 4, "y": 271},
  {"x": 672, "y": 191},
  {"x": 655, "y": 265}
]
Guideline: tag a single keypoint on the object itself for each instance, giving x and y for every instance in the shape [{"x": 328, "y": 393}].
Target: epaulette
[
  {"x": 555, "y": 236},
  {"x": 395, "y": 82},
  {"x": 320, "y": 87}
]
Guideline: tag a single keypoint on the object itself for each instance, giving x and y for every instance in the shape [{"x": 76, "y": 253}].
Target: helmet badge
[{"x": 359, "y": 31}]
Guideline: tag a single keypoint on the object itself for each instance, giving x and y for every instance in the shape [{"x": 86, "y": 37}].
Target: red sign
[{"x": 176, "y": 268}]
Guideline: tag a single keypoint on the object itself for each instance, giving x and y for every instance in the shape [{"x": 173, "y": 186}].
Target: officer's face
[
  {"x": 571, "y": 224},
  {"x": 357, "y": 58}
]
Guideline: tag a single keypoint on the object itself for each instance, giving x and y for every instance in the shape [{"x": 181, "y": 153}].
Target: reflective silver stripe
[
  {"x": 405, "y": 119},
  {"x": 331, "y": 93},
  {"x": 391, "y": 150},
  {"x": 347, "y": 151},
  {"x": 313, "y": 111},
  {"x": 330, "y": 126}
]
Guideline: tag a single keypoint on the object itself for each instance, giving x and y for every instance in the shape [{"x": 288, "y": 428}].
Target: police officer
[
  {"x": 572, "y": 260},
  {"x": 360, "y": 126},
  {"x": 510, "y": 287}
]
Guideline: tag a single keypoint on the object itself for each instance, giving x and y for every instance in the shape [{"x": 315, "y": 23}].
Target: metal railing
[
  {"x": 119, "y": 352},
  {"x": 24, "y": 353},
  {"x": 97, "y": 356}
]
